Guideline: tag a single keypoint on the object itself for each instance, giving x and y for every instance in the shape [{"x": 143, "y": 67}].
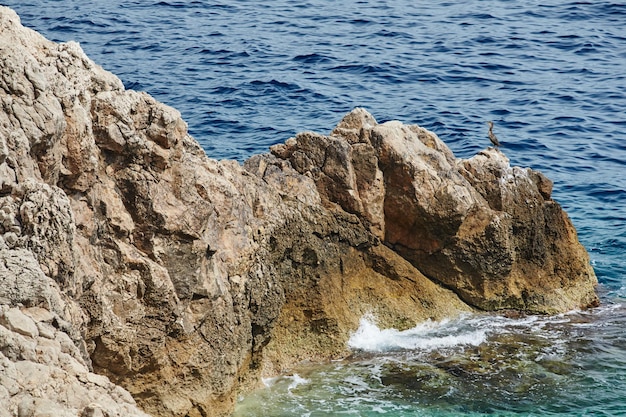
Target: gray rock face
[
  {"x": 14, "y": 320},
  {"x": 128, "y": 258},
  {"x": 42, "y": 371}
]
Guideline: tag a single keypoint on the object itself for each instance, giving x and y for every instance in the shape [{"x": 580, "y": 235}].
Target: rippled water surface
[
  {"x": 569, "y": 365},
  {"x": 551, "y": 75}
]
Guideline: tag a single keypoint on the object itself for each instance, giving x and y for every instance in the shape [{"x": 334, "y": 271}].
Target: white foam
[
  {"x": 269, "y": 382},
  {"x": 295, "y": 381},
  {"x": 425, "y": 336}
]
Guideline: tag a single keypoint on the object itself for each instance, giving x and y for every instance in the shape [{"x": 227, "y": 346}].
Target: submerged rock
[{"x": 183, "y": 279}]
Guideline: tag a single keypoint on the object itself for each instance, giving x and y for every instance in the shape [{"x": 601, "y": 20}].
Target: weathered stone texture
[
  {"x": 488, "y": 231},
  {"x": 126, "y": 251},
  {"x": 43, "y": 372}
]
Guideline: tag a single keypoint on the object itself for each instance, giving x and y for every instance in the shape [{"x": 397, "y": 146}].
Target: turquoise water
[
  {"x": 551, "y": 74},
  {"x": 479, "y": 365}
]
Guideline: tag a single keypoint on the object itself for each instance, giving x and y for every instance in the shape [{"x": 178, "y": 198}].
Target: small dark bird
[{"x": 492, "y": 137}]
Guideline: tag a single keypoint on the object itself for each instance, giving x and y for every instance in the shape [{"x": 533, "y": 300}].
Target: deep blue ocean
[{"x": 551, "y": 75}]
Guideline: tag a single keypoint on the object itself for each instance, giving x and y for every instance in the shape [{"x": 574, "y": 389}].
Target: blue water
[{"x": 552, "y": 76}]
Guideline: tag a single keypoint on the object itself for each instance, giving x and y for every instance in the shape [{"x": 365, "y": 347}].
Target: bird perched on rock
[{"x": 492, "y": 137}]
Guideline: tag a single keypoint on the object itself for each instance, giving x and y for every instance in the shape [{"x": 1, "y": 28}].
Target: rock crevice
[{"x": 128, "y": 258}]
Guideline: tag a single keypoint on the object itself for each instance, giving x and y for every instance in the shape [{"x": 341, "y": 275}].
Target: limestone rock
[
  {"x": 182, "y": 279},
  {"x": 16, "y": 321},
  {"x": 41, "y": 375},
  {"x": 486, "y": 230}
]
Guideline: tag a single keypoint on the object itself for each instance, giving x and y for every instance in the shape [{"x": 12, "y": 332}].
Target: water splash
[
  {"x": 474, "y": 365},
  {"x": 425, "y": 336},
  {"x": 291, "y": 381}
]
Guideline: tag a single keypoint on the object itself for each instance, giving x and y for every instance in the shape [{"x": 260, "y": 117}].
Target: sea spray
[
  {"x": 291, "y": 381},
  {"x": 473, "y": 365},
  {"x": 558, "y": 92},
  {"x": 428, "y": 335}
]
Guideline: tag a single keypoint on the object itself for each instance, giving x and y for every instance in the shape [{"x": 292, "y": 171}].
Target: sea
[{"x": 248, "y": 74}]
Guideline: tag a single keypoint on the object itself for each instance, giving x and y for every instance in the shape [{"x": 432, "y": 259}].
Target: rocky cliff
[{"x": 130, "y": 259}]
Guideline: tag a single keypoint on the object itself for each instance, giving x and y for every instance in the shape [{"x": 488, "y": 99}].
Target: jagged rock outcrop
[
  {"x": 486, "y": 230},
  {"x": 182, "y": 278}
]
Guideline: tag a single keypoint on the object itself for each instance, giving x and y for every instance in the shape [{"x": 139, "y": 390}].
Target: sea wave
[{"x": 425, "y": 336}]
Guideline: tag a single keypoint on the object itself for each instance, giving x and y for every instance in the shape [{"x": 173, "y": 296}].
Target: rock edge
[{"x": 130, "y": 259}]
